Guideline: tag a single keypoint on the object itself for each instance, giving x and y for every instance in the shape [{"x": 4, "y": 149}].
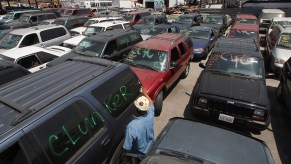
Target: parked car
[
  {"x": 232, "y": 86},
  {"x": 78, "y": 12},
  {"x": 243, "y": 30},
  {"x": 113, "y": 45},
  {"x": 203, "y": 39},
  {"x": 278, "y": 47},
  {"x": 134, "y": 16},
  {"x": 67, "y": 114},
  {"x": 93, "y": 29},
  {"x": 189, "y": 141},
  {"x": 28, "y": 20},
  {"x": 80, "y": 30},
  {"x": 150, "y": 20},
  {"x": 218, "y": 22},
  {"x": 158, "y": 29},
  {"x": 15, "y": 15},
  {"x": 283, "y": 91},
  {"x": 246, "y": 18},
  {"x": 279, "y": 20},
  {"x": 266, "y": 16},
  {"x": 10, "y": 71},
  {"x": 34, "y": 58},
  {"x": 71, "y": 21},
  {"x": 160, "y": 61},
  {"x": 185, "y": 21},
  {"x": 44, "y": 36}
]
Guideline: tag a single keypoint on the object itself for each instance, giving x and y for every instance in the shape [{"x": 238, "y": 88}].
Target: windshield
[
  {"x": 24, "y": 18},
  {"x": 68, "y": 12},
  {"x": 285, "y": 40},
  {"x": 148, "y": 59},
  {"x": 59, "y": 22},
  {"x": 148, "y": 21},
  {"x": 89, "y": 22},
  {"x": 243, "y": 34},
  {"x": 248, "y": 21},
  {"x": 89, "y": 47},
  {"x": 93, "y": 30},
  {"x": 153, "y": 31},
  {"x": 10, "y": 41},
  {"x": 8, "y": 16},
  {"x": 196, "y": 34},
  {"x": 182, "y": 19},
  {"x": 271, "y": 15},
  {"x": 274, "y": 23},
  {"x": 213, "y": 20},
  {"x": 236, "y": 64},
  {"x": 127, "y": 17}
]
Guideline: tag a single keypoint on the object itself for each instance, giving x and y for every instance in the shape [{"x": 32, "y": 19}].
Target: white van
[
  {"x": 266, "y": 17},
  {"x": 89, "y": 4},
  {"x": 43, "y": 35}
]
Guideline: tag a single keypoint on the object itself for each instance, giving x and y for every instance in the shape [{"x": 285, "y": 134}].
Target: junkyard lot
[{"x": 277, "y": 136}]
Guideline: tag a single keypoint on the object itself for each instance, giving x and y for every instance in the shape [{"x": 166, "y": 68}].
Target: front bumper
[{"x": 243, "y": 122}]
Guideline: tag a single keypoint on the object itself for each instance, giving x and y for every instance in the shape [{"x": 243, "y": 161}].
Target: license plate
[{"x": 226, "y": 118}]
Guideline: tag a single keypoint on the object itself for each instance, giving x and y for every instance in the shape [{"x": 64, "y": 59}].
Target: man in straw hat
[{"x": 139, "y": 133}]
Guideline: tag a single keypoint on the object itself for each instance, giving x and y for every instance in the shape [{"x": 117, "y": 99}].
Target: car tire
[
  {"x": 186, "y": 71},
  {"x": 279, "y": 90},
  {"x": 116, "y": 156},
  {"x": 159, "y": 103}
]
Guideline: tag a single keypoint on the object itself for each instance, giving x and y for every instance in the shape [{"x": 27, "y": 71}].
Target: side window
[
  {"x": 66, "y": 133},
  {"x": 29, "y": 61},
  {"x": 33, "y": 19},
  {"x": 48, "y": 35},
  {"x": 174, "y": 55},
  {"x": 45, "y": 57},
  {"x": 182, "y": 48},
  {"x": 13, "y": 154},
  {"x": 118, "y": 93},
  {"x": 41, "y": 18},
  {"x": 110, "y": 48},
  {"x": 117, "y": 27},
  {"x": 122, "y": 42},
  {"x": 29, "y": 40},
  {"x": 60, "y": 31},
  {"x": 135, "y": 38},
  {"x": 17, "y": 16}
]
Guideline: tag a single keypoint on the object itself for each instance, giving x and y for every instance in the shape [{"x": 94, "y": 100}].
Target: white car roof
[
  {"x": 282, "y": 19},
  {"x": 20, "y": 52},
  {"x": 108, "y": 24},
  {"x": 104, "y": 18},
  {"x": 273, "y": 11},
  {"x": 29, "y": 30}
]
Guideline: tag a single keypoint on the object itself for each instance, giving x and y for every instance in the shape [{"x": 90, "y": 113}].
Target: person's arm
[{"x": 144, "y": 92}]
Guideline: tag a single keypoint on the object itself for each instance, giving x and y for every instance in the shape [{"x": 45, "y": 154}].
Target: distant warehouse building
[{"x": 156, "y": 4}]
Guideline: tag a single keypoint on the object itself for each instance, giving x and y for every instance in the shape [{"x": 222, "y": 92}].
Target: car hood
[
  {"x": 282, "y": 53},
  {"x": 144, "y": 37},
  {"x": 182, "y": 26},
  {"x": 199, "y": 43},
  {"x": 147, "y": 77},
  {"x": 75, "y": 40},
  {"x": 3, "y": 50},
  {"x": 237, "y": 88},
  {"x": 216, "y": 26},
  {"x": 79, "y": 29}
]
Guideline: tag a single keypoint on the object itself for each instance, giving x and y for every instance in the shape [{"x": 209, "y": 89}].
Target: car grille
[{"x": 230, "y": 109}]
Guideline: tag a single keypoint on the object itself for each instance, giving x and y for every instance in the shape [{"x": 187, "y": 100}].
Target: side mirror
[
  {"x": 173, "y": 65},
  {"x": 201, "y": 65}
]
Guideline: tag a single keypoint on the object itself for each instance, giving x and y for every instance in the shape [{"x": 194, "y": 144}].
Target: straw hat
[{"x": 142, "y": 103}]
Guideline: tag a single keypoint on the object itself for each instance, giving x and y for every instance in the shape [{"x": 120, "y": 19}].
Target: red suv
[{"x": 159, "y": 61}]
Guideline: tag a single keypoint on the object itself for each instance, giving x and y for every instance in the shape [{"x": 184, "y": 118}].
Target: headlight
[
  {"x": 259, "y": 112},
  {"x": 202, "y": 103},
  {"x": 198, "y": 50},
  {"x": 279, "y": 61}
]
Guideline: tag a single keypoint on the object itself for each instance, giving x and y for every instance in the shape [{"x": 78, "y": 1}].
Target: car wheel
[
  {"x": 159, "y": 103},
  {"x": 117, "y": 155},
  {"x": 186, "y": 71},
  {"x": 279, "y": 91}
]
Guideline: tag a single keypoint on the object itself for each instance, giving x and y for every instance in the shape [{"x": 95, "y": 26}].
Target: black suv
[
  {"x": 113, "y": 45},
  {"x": 185, "y": 21},
  {"x": 75, "y": 112},
  {"x": 71, "y": 21},
  {"x": 216, "y": 21},
  {"x": 232, "y": 86},
  {"x": 10, "y": 71},
  {"x": 28, "y": 20},
  {"x": 283, "y": 93}
]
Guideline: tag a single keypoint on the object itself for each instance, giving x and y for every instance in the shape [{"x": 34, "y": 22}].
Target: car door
[
  {"x": 123, "y": 47},
  {"x": 110, "y": 51}
]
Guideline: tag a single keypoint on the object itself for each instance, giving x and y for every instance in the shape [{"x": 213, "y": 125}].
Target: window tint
[
  {"x": 174, "y": 55},
  {"x": 64, "y": 134},
  {"x": 51, "y": 16},
  {"x": 17, "y": 15},
  {"x": 117, "y": 27},
  {"x": 45, "y": 57},
  {"x": 182, "y": 48},
  {"x": 41, "y": 18},
  {"x": 60, "y": 31},
  {"x": 122, "y": 42},
  {"x": 48, "y": 35},
  {"x": 118, "y": 93},
  {"x": 128, "y": 26},
  {"x": 29, "y": 40},
  {"x": 14, "y": 154},
  {"x": 33, "y": 19},
  {"x": 135, "y": 38},
  {"x": 110, "y": 48},
  {"x": 29, "y": 61}
]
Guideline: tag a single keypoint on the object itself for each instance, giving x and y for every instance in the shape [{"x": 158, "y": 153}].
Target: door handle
[
  {"x": 106, "y": 140},
  {"x": 40, "y": 67}
]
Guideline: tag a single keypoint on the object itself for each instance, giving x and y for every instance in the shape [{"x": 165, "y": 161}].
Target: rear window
[{"x": 118, "y": 93}]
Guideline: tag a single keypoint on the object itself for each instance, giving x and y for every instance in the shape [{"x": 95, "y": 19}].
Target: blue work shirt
[{"x": 139, "y": 134}]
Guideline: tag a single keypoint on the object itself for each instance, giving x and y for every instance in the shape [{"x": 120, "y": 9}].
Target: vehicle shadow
[{"x": 280, "y": 121}]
